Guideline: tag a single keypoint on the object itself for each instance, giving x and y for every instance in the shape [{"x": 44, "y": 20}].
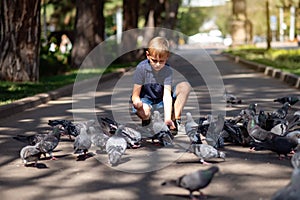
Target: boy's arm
[
  {"x": 136, "y": 101},
  {"x": 167, "y": 98}
]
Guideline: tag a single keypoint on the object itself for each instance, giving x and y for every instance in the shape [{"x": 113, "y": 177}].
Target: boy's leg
[
  {"x": 182, "y": 92},
  {"x": 144, "y": 112}
]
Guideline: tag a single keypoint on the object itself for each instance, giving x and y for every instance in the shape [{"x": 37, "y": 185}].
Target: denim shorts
[{"x": 154, "y": 106}]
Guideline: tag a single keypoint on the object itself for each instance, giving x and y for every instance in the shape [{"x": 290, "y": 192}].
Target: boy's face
[{"x": 157, "y": 62}]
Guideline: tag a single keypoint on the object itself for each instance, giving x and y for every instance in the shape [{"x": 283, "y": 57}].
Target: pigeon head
[
  {"x": 286, "y": 105},
  {"x": 214, "y": 169}
]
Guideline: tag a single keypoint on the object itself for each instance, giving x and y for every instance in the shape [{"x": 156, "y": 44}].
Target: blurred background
[{"x": 56, "y": 35}]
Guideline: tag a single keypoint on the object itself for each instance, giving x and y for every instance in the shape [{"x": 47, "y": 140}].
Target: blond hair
[{"x": 158, "y": 46}]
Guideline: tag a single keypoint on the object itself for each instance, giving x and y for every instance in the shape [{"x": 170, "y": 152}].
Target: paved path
[{"x": 243, "y": 175}]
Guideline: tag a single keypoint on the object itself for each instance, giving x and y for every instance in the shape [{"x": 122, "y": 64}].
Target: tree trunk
[
  {"x": 19, "y": 40},
  {"x": 89, "y": 29},
  {"x": 129, "y": 39},
  {"x": 171, "y": 7}
]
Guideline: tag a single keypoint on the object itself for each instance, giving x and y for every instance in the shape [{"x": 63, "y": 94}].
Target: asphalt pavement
[{"x": 243, "y": 175}]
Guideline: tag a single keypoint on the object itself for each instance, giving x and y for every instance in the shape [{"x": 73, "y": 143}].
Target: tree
[
  {"x": 19, "y": 40},
  {"x": 130, "y": 21},
  {"x": 90, "y": 24}
]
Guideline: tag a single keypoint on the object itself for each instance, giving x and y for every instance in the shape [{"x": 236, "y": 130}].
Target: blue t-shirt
[{"x": 152, "y": 81}]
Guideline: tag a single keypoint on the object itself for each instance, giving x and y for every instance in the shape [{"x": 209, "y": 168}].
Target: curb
[
  {"x": 21, "y": 105},
  {"x": 288, "y": 78}
]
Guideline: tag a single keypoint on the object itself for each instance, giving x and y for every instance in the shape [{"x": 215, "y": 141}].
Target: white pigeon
[
  {"x": 206, "y": 152},
  {"x": 116, "y": 146}
]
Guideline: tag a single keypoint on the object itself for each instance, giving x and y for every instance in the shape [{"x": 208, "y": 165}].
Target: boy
[{"x": 152, "y": 86}]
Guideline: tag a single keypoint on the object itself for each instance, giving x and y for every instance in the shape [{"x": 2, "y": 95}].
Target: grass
[
  {"x": 287, "y": 60},
  {"x": 10, "y": 92}
]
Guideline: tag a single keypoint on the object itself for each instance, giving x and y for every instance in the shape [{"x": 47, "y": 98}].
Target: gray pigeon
[
  {"x": 30, "y": 139},
  {"x": 30, "y": 153},
  {"x": 191, "y": 129},
  {"x": 72, "y": 128},
  {"x": 282, "y": 112},
  {"x": 116, "y": 146},
  {"x": 158, "y": 124},
  {"x": 206, "y": 152},
  {"x": 292, "y": 190},
  {"x": 82, "y": 142},
  {"x": 231, "y": 98},
  {"x": 132, "y": 135},
  {"x": 161, "y": 130},
  {"x": 213, "y": 135},
  {"x": 50, "y": 142},
  {"x": 290, "y": 99},
  {"x": 194, "y": 181},
  {"x": 190, "y": 124},
  {"x": 296, "y": 158},
  {"x": 98, "y": 138}
]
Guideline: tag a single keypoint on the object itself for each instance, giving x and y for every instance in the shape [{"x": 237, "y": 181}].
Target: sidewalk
[{"x": 244, "y": 175}]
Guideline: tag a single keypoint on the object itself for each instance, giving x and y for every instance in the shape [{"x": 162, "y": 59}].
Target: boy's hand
[
  {"x": 170, "y": 123},
  {"x": 138, "y": 104}
]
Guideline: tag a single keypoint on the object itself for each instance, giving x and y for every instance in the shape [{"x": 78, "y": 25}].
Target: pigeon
[
  {"x": 131, "y": 135},
  {"x": 30, "y": 139},
  {"x": 82, "y": 142},
  {"x": 206, "y": 152},
  {"x": 280, "y": 129},
  {"x": 233, "y": 131},
  {"x": 257, "y": 133},
  {"x": 231, "y": 99},
  {"x": 116, "y": 146},
  {"x": 296, "y": 158},
  {"x": 294, "y": 134},
  {"x": 98, "y": 138},
  {"x": 161, "y": 130},
  {"x": 289, "y": 99},
  {"x": 50, "y": 141},
  {"x": 213, "y": 135},
  {"x": 194, "y": 181},
  {"x": 282, "y": 112},
  {"x": 292, "y": 190},
  {"x": 191, "y": 129},
  {"x": 278, "y": 144},
  {"x": 203, "y": 124},
  {"x": 190, "y": 124},
  {"x": 108, "y": 125},
  {"x": 72, "y": 128},
  {"x": 251, "y": 110},
  {"x": 30, "y": 153}
]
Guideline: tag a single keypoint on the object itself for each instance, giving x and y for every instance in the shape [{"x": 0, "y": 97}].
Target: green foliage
[
  {"x": 10, "y": 91},
  {"x": 285, "y": 59},
  {"x": 53, "y": 63},
  {"x": 190, "y": 20}
]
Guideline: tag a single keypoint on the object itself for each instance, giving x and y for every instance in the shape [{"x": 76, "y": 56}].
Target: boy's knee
[{"x": 183, "y": 87}]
